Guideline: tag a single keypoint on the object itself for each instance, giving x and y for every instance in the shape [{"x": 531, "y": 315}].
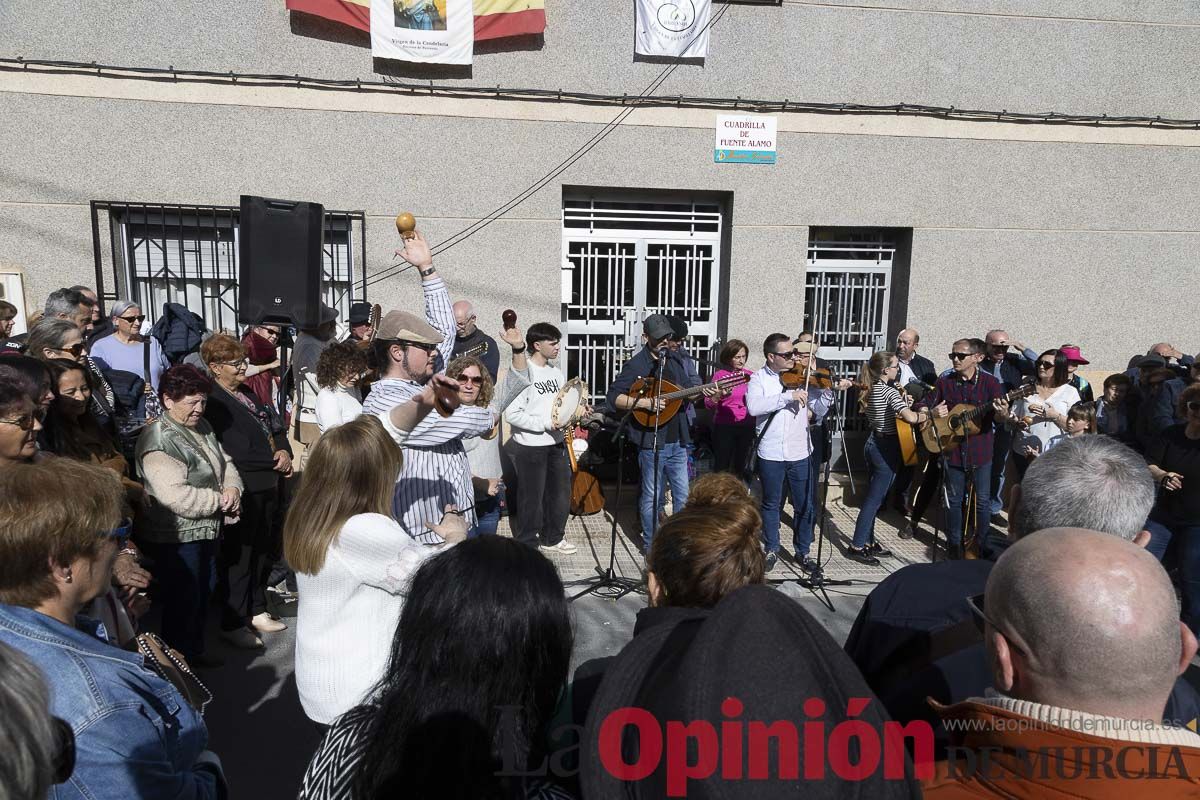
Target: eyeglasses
[
  {"x": 121, "y": 533},
  {"x": 139, "y": 319},
  {"x": 976, "y": 606},
  {"x": 1193, "y": 405},
  {"x": 959, "y": 356},
  {"x": 26, "y": 422},
  {"x": 428, "y": 348},
  {"x": 474, "y": 380},
  {"x": 75, "y": 349},
  {"x": 244, "y": 362},
  {"x": 998, "y": 346},
  {"x": 1045, "y": 365},
  {"x": 786, "y": 354},
  {"x": 268, "y": 332}
]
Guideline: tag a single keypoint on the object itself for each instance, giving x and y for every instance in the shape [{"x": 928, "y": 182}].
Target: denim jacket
[{"x": 135, "y": 735}]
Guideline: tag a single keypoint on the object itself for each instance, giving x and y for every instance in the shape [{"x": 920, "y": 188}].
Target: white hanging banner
[
  {"x": 672, "y": 28},
  {"x": 424, "y": 31}
]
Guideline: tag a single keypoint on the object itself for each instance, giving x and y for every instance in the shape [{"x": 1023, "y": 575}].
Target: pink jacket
[{"x": 730, "y": 410}]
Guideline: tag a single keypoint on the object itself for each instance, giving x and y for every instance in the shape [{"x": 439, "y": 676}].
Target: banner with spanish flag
[{"x": 494, "y": 19}]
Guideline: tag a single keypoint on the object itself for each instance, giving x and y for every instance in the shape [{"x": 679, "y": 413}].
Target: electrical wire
[{"x": 539, "y": 184}]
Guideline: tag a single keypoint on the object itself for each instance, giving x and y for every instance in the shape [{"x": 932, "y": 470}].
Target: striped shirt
[
  {"x": 885, "y": 403},
  {"x": 436, "y": 472}
]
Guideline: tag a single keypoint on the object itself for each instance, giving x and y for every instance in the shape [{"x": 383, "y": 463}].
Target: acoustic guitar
[
  {"x": 652, "y": 388},
  {"x": 910, "y": 441},
  {"x": 940, "y": 435},
  {"x": 587, "y": 496}
]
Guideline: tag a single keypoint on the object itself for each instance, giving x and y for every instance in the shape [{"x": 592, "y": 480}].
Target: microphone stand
[
  {"x": 608, "y": 583},
  {"x": 662, "y": 363},
  {"x": 816, "y": 580}
]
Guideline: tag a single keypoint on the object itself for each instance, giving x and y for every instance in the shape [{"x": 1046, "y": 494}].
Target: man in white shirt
[
  {"x": 538, "y": 450},
  {"x": 784, "y": 446}
]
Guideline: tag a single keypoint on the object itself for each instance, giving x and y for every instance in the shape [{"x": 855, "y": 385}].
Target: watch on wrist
[
  {"x": 425, "y": 273},
  {"x": 518, "y": 352}
]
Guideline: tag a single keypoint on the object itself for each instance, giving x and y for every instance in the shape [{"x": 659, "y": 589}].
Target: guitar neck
[
  {"x": 1008, "y": 398},
  {"x": 687, "y": 392}
]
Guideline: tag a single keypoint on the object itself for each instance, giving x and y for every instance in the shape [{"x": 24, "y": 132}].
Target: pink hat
[{"x": 1072, "y": 354}]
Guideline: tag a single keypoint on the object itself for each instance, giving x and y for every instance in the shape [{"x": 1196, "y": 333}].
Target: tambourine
[{"x": 568, "y": 404}]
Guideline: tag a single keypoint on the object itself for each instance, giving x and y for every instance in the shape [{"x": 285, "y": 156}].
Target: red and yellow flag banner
[{"x": 494, "y": 19}]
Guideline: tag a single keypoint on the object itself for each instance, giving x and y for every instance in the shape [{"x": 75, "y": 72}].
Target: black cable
[
  {"x": 564, "y": 165},
  {"x": 680, "y": 101}
]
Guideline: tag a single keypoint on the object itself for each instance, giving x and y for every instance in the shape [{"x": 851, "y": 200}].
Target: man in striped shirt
[{"x": 436, "y": 472}]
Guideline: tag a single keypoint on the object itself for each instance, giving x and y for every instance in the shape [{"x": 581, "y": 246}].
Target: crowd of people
[{"x": 360, "y": 491}]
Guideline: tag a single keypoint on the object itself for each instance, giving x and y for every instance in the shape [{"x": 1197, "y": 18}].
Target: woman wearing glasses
[
  {"x": 262, "y": 376},
  {"x": 1174, "y": 460},
  {"x": 20, "y": 418},
  {"x": 256, "y": 440},
  {"x": 135, "y": 735},
  {"x": 55, "y": 338},
  {"x": 124, "y": 348},
  {"x": 1042, "y": 416}
]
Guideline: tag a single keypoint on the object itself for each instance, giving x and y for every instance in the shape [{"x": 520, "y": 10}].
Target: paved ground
[{"x": 258, "y": 728}]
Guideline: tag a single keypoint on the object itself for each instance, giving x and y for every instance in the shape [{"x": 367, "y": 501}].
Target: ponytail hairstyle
[{"x": 872, "y": 372}]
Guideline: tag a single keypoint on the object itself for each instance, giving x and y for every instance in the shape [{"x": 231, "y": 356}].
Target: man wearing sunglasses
[
  {"x": 971, "y": 462},
  {"x": 436, "y": 472}
]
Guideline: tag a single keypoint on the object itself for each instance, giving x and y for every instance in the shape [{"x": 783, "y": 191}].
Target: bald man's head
[
  {"x": 907, "y": 342},
  {"x": 1096, "y": 616},
  {"x": 464, "y": 318}
]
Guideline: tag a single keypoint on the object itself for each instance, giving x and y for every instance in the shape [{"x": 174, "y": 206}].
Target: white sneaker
[
  {"x": 265, "y": 623},
  {"x": 564, "y": 547}
]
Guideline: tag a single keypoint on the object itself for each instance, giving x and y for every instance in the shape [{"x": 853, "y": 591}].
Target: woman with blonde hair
[
  {"x": 882, "y": 402},
  {"x": 353, "y": 561}
]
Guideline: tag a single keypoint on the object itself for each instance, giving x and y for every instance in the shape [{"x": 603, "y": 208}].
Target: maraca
[
  {"x": 509, "y": 319},
  {"x": 406, "y": 224}
]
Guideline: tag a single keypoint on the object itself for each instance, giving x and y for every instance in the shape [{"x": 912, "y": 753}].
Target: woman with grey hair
[
  {"x": 36, "y": 749},
  {"x": 125, "y": 348},
  {"x": 55, "y": 338}
]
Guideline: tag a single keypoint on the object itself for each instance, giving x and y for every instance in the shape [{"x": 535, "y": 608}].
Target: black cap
[
  {"x": 360, "y": 313},
  {"x": 679, "y": 328}
]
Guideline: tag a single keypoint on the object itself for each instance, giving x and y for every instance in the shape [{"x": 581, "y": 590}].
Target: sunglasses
[
  {"x": 75, "y": 349},
  {"x": 1045, "y": 365},
  {"x": 786, "y": 354},
  {"x": 428, "y": 348},
  {"x": 976, "y": 606},
  {"x": 26, "y": 422},
  {"x": 139, "y": 319},
  {"x": 474, "y": 380},
  {"x": 1193, "y": 405},
  {"x": 959, "y": 356},
  {"x": 121, "y": 533}
]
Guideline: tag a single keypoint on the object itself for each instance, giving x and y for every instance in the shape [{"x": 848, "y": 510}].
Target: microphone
[{"x": 917, "y": 389}]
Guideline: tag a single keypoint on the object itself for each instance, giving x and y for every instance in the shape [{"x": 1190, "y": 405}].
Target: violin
[{"x": 801, "y": 377}]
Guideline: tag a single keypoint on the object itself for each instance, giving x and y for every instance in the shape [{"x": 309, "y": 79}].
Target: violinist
[
  {"x": 882, "y": 402},
  {"x": 817, "y": 431},
  {"x": 784, "y": 445}
]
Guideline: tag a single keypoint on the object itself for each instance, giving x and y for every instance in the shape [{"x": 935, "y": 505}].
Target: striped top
[
  {"x": 885, "y": 403},
  {"x": 436, "y": 472}
]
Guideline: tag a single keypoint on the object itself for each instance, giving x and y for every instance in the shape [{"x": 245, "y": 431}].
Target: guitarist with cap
[
  {"x": 971, "y": 460},
  {"x": 673, "y": 434}
]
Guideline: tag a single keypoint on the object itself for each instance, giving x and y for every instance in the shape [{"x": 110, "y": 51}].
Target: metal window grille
[
  {"x": 848, "y": 282},
  {"x": 626, "y": 257},
  {"x": 188, "y": 254}
]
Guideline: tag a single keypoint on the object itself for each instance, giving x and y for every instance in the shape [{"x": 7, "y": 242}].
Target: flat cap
[{"x": 403, "y": 326}]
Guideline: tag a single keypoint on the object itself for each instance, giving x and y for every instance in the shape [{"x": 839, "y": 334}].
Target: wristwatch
[
  {"x": 518, "y": 352},
  {"x": 425, "y": 273}
]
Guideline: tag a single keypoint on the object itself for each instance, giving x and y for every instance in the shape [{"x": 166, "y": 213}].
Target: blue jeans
[
  {"x": 487, "y": 512},
  {"x": 185, "y": 575},
  {"x": 672, "y": 470},
  {"x": 1187, "y": 550},
  {"x": 1001, "y": 446},
  {"x": 795, "y": 474},
  {"x": 956, "y": 486},
  {"x": 882, "y": 452}
]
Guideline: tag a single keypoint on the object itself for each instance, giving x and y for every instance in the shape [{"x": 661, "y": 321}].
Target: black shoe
[
  {"x": 908, "y": 531},
  {"x": 772, "y": 560},
  {"x": 878, "y": 550},
  {"x": 862, "y": 556},
  {"x": 808, "y": 565}
]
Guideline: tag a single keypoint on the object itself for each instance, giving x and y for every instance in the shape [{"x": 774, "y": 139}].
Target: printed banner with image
[
  {"x": 494, "y": 19},
  {"x": 424, "y": 31},
  {"x": 672, "y": 28}
]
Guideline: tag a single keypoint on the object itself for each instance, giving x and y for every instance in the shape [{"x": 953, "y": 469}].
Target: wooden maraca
[
  {"x": 508, "y": 319},
  {"x": 406, "y": 224}
]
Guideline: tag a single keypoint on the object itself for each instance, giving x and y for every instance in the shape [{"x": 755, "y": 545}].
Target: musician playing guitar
[
  {"x": 972, "y": 459},
  {"x": 673, "y": 435}
]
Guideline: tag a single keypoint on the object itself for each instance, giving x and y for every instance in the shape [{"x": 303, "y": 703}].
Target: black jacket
[
  {"x": 244, "y": 438},
  {"x": 179, "y": 331},
  {"x": 922, "y": 367}
]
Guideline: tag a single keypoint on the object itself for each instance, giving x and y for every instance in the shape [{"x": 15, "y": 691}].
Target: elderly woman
[
  {"x": 476, "y": 389},
  {"x": 55, "y": 338},
  {"x": 20, "y": 418},
  {"x": 339, "y": 368},
  {"x": 124, "y": 349},
  {"x": 135, "y": 735},
  {"x": 256, "y": 440},
  {"x": 191, "y": 485}
]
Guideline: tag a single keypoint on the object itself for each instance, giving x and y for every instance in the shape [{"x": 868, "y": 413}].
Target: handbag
[
  {"x": 153, "y": 405},
  {"x": 169, "y": 665}
]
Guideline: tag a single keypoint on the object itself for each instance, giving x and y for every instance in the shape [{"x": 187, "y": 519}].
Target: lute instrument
[{"x": 654, "y": 389}]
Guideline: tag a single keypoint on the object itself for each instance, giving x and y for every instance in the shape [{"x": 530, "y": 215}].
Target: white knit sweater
[{"x": 348, "y": 613}]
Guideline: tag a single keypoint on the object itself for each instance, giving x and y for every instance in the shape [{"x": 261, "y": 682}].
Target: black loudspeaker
[{"x": 280, "y": 251}]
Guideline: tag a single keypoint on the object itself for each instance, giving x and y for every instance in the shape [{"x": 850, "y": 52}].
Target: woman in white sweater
[
  {"x": 352, "y": 561},
  {"x": 339, "y": 369}
]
